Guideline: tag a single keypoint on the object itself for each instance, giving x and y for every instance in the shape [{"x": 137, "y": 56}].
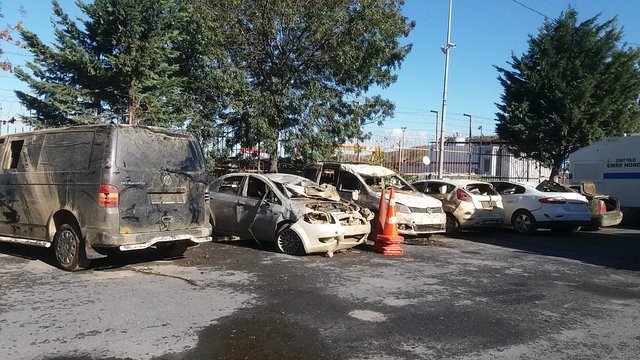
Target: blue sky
[{"x": 485, "y": 33}]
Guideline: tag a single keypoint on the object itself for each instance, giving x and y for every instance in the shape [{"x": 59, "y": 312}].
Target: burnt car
[
  {"x": 605, "y": 209},
  {"x": 300, "y": 216}
]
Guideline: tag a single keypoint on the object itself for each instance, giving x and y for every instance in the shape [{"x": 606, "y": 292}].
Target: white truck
[{"x": 613, "y": 164}]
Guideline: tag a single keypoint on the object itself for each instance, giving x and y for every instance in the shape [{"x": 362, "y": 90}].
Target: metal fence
[{"x": 415, "y": 157}]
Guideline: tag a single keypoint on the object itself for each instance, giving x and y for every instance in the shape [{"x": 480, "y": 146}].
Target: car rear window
[
  {"x": 480, "y": 189},
  {"x": 141, "y": 149}
]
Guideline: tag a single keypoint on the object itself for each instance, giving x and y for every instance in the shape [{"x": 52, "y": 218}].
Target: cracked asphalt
[{"x": 476, "y": 296}]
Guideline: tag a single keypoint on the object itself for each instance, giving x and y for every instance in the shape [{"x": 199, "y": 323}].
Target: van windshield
[
  {"x": 141, "y": 149},
  {"x": 376, "y": 182}
]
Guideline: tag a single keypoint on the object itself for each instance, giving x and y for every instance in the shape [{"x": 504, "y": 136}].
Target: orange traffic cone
[
  {"x": 387, "y": 242},
  {"x": 379, "y": 221}
]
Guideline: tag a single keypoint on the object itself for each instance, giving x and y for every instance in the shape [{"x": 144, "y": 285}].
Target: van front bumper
[{"x": 126, "y": 242}]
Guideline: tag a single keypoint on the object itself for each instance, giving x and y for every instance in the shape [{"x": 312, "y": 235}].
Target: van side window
[
  {"x": 16, "y": 149},
  {"x": 349, "y": 182},
  {"x": 66, "y": 151}
]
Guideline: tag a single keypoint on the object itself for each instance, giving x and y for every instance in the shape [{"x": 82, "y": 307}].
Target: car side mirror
[{"x": 355, "y": 194}]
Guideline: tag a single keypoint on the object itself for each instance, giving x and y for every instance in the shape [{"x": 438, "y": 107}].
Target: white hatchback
[{"x": 528, "y": 209}]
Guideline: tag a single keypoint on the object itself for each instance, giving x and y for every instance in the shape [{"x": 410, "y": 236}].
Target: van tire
[
  {"x": 69, "y": 249},
  {"x": 171, "y": 250}
]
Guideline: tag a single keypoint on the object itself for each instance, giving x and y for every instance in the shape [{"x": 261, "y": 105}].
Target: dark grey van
[{"x": 100, "y": 189}]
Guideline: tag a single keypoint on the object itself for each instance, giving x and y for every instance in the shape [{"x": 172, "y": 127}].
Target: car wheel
[
  {"x": 289, "y": 242},
  {"x": 452, "y": 225},
  {"x": 172, "y": 250},
  {"x": 523, "y": 222},
  {"x": 69, "y": 249}
]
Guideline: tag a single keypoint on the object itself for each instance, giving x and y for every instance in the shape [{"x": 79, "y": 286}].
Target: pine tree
[
  {"x": 119, "y": 65},
  {"x": 576, "y": 84}
]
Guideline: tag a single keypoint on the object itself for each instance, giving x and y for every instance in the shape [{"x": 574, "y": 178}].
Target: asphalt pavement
[{"x": 475, "y": 296}]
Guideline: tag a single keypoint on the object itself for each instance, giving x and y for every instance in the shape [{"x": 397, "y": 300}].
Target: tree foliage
[
  {"x": 120, "y": 65},
  {"x": 290, "y": 71},
  {"x": 575, "y": 85},
  {"x": 306, "y": 67},
  {"x": 6, "y": 36}
]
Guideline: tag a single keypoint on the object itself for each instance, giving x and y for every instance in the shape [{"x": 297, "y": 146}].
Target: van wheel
[
  {"x": 172, "y": 250},
  {"x": 69, "y": 249}
]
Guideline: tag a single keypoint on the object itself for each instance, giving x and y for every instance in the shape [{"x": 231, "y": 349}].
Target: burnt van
[{"x": 90, "y": 191}]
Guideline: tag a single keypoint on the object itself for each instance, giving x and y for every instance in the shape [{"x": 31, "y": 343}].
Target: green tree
[
  {"x": 576, "y": 84},
  {"x": 307, "y": 66},
  {"x": 120, "y": 64}
]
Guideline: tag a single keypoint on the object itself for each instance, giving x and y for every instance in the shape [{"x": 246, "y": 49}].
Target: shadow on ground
[
  {"x": 45, "y": 255},
  {"x": 616, "y": 248}
]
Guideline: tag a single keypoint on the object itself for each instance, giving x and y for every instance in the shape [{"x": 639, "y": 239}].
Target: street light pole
[
  {"x": 469, "y": 142},
  {"x": 445, "y": 49},
  {"x": 400, "y": 152},
  {"x": 437, "y": 148},
  {"x": 480, "y": 158}
]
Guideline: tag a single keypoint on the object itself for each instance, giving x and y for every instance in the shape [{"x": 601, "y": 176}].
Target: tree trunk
[{"x": 273, "y": 162}]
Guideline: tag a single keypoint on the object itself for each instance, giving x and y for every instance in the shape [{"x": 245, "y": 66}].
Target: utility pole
[
  {"x": 437, "y": 148},
  {"x": 445, "y": 49},
  {"x": 469, "y": 143}
]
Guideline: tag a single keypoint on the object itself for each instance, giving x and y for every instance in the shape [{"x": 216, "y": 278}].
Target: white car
[
  {"x": 295, "y": 213},
  {"x": 469, "y": 204},
  {"x": 417, "y": 214},
  {"x": 528, "y": 209}
]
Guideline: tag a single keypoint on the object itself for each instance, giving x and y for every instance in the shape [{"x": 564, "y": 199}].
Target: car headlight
[
  {"x": 317, "y": 217},
  {"x": 402, "y": 208}
]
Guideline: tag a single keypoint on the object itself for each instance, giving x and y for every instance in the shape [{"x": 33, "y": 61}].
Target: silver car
[{"x": 295, "y": 213}]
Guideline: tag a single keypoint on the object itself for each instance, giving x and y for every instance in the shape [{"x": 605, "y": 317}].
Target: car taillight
[
  {"x": 553, "y": 200},
  {"x": 108, "y": 196},
  {"x": 602, "y": 207},
  {"x": 462, "y": 195}
]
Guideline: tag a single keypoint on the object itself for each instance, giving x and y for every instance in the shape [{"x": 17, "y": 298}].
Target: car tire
[
  {"x": 523, "y": 222},
  {"x": 69, "y": 249},
  {"x": 289, "y": 242},
  {"x": 452, "y": 226},
  {"x": 171, "y": 250}
]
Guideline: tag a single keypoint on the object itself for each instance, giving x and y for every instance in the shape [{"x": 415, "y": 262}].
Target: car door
[
  {"x": 511, "y": 194},
  {"x": 224, "y": 200},
  {"x": 268, "y": 211},
  {"x": 248, "y": 205}
]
